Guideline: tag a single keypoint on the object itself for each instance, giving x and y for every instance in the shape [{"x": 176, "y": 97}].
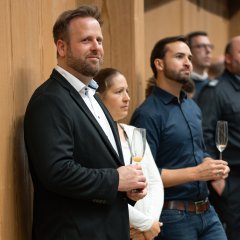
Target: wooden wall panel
[
  {"x": 6, "y": 118},
  {"x": 26, "y": 75},
  {"x": 234, "y": 17},
  {"x": 124, "y": 46},
  {"x": 235, "y": 26},
  {"x": 28, "y": 55},
  {"x": 209, "y": 16}
]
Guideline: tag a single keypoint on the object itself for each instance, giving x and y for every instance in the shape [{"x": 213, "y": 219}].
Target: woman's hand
[
  {"x": 153, "y": 231},
  {"x": 136, "y": 234},
  {"x": 150, "y": 234}
]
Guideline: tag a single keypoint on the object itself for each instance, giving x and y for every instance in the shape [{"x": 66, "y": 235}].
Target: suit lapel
[
  {"x": 112, "y": 125},
  {"x": 82, "y": 105}
]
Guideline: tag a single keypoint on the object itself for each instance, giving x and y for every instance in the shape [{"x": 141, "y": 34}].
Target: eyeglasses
[{"x": 203, "y": 46}]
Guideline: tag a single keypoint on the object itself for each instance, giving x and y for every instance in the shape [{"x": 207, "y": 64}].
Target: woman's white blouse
[{"x": 148, "y": 209}]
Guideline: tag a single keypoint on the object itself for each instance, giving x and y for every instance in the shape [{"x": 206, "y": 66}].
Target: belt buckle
[{"x": 198, "y": 205}]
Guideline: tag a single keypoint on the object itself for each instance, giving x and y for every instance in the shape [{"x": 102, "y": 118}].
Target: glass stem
[{"x": 220, "y": 156}]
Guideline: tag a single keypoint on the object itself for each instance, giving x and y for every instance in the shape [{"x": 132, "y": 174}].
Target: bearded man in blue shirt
[{"x": 174, "y": 133}]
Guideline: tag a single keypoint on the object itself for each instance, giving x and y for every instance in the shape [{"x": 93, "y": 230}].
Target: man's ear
[
  {"x": 228, "y": 58},
  {"x": 159, "y": 64},
  {"x": 61, "y": 48}
]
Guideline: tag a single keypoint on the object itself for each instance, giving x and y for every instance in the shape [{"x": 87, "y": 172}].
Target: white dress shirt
[{"x": 87, "y": 94}]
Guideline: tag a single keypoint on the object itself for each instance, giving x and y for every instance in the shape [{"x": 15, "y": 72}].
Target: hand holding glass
[
  {"x": 138, "y": 144},
  {"x": 221, "y": 137}
]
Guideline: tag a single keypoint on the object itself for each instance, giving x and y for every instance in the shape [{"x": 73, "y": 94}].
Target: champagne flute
[
  {"x": 221, "y": 137},
  {"x": 138, "y": 147},
  {"x": 138, "y": 144}
]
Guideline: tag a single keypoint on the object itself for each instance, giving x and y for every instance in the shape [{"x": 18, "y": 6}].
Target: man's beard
[
  {"x": 81, "y": 66},
  {"x": 177, "y": 77}
]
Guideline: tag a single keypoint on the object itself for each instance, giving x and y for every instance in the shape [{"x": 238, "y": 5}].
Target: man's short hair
[
  {"x": 192, "y": 35},
  {"x": 60, "y": 28}
]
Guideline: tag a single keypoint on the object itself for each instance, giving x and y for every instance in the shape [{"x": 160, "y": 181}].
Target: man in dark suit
[
  {"x": 81, "y": 188},
  {"x": 223, "y": 96}
]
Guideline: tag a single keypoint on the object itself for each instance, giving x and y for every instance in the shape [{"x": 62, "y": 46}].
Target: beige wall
[{"x": 28, "y": 56}]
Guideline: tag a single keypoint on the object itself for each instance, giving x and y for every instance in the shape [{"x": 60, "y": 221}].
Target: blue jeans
[{"x": 182, "y": 225}]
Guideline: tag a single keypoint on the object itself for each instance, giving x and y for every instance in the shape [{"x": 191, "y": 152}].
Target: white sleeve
[
  {"x": 148, "y": 209},
  {"x": 152, "y": 204},
  {"x": 139, "y": 220}
]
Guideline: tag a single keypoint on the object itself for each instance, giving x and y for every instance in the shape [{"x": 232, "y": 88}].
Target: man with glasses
[{"x": 201, "y": 49}]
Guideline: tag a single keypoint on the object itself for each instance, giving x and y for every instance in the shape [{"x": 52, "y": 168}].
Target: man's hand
[
  {"x": 211, "y": 169},
  {"x": 137, "y": 194},
  {"x": 131, "y": 177}
]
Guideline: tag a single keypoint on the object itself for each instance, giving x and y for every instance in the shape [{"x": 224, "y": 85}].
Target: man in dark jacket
[
  {"x": 81, "y": 188},
  {"x": 223, "y": 103}
]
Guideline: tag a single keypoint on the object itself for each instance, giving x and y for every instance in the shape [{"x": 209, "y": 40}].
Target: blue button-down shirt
[{"x": 174, "y": 133}]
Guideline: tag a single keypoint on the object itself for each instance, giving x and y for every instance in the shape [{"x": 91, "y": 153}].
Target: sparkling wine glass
[
  {"x": 138, "y": 144},
  {"x": 221, "y": 137}
]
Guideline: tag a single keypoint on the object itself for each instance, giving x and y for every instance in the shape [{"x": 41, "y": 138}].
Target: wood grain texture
[
  {"x": 131, "y": 28},
  {"x": 28, "y": 56}
]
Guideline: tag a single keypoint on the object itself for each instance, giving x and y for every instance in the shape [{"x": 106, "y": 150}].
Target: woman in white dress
[{"x": 144, "y": 216}]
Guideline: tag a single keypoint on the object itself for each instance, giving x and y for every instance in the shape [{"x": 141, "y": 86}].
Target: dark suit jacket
[{"x": 73, "y": 167}]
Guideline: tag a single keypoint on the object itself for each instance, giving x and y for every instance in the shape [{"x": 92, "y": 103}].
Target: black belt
[{"x": 195, "y": 207}]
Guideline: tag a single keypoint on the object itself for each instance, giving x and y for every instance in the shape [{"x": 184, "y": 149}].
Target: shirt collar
[
  {"x": 202, "y": 77},
  {"x": 75, "y": 82},
  {"x": 167, "y": 97}
]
